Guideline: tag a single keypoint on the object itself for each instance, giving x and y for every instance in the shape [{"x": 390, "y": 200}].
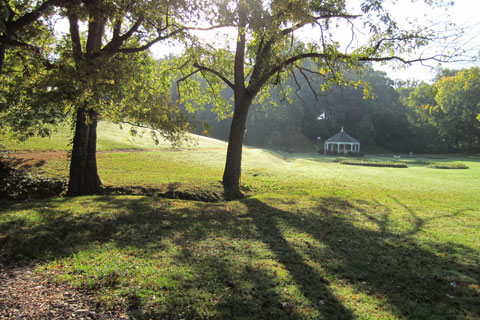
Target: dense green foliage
[{"x": 443, "y": 116}]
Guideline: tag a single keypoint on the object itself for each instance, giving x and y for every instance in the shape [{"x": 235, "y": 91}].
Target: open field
[{"x": 315, "y": 239}]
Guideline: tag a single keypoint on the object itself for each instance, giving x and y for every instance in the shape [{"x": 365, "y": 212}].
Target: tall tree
[
  {"x": 423, "y": 115},
  {"x": 266, "y": 48},
  {"x": 458, "y": 97},
  {"x": 114, "y": 28},
  {"x": 443, "y": 115}
]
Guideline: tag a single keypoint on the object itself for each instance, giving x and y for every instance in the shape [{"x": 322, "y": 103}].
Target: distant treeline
[{"x": 381, "y": 114}]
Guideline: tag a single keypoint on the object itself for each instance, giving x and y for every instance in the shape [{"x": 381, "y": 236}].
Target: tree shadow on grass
[
  {"x": 414, "y": 281},
  {"x": 313, "y": 286},
  {"x": 24, "y": 163},
  {"x": 229, "y": 275},
  {"x": 224, "y": 258}
]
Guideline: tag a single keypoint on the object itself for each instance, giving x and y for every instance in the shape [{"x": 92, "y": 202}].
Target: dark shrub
[{"x": 19, "y": 185}]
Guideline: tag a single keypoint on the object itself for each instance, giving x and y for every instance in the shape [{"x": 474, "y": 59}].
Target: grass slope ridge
[{"x": 110, "y": 137}]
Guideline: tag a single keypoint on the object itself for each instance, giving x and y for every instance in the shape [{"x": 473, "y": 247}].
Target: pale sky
[{"x": 464, "y": 14}]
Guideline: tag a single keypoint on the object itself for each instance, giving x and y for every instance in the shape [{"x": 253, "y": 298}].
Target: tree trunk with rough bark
[
  {"x": 233, "y": 164},
  {"x": 84, "y": 179}
]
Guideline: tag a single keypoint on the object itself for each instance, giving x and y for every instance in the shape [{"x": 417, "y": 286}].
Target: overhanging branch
[
  {"x": 339, "y": 57},
  {"x": 215, "y": 72},
  {"x": 149, "y": 44},
  {"x": 179, "y": 81},
  {"x": 316, "y": 19}
]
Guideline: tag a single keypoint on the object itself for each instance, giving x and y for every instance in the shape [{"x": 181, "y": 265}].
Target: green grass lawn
[{"x": 316, "y": 239}]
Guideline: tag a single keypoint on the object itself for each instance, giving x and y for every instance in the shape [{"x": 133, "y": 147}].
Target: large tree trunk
[
  {"x": 233, "y": 164},
  {"x": 84, "y": 179},
  {"x": 2, "y": 57}
]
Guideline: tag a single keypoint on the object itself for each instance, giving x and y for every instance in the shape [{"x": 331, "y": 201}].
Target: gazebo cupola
[{"x": 341, "y": 142}]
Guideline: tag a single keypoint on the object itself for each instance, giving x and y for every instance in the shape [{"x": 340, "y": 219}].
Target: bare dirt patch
[
  {"x": 33, "y": 159},
  {"x": 26, "y": 295}
]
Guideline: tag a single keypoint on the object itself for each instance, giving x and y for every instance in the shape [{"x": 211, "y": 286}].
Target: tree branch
[
  {"x": 183, "y": 79},
  {"x": 308, "y": 82},
  {"x": 315, "y": 19},
  {"x": 215, "y": 72},
  {"x": 11, "y": 12},
  {"x": 118, "y": 40},
  {"x": 116, "y": 29},
  {"x": 210, "y": 85},
  {"x": 209, "y": 28},
  {"x": 16, "y": 43},
  {"x": 75, "y": 36},
  {"x": 296, "y": 82},
  {"x": 338, "y": 56},
  {"x": 148, "y": 44},
  {"x": 31, "y": 16}
]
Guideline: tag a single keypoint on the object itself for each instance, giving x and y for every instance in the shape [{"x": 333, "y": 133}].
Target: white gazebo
[{"x": 341, "y": 142}]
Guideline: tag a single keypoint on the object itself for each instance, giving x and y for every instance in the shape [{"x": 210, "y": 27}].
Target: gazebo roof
[{"x": 342, "y": 137}]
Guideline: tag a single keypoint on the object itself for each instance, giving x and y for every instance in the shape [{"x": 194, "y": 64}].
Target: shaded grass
[{"x": 314, "y": 258}]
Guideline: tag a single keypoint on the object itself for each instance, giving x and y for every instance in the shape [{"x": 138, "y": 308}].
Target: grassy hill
[{"x": 316, "y": 239}]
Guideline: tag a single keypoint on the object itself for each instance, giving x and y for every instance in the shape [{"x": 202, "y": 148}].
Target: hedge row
[{"x": 371, "y": 163}]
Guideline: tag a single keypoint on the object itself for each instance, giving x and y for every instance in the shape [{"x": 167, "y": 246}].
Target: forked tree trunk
[
  {"x": 233, "y": 164},
  {"x": 84, "y": 179}
]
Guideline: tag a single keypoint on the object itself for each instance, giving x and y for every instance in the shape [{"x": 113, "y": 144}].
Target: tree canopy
[
  {"x": 268, "y": 46},
  {"x": 98, "y": 70}
]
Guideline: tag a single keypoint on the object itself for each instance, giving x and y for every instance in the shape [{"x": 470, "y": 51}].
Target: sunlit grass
[
  {"x": 317, "y": 239},
  {"x": 110, "y": 137}
]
